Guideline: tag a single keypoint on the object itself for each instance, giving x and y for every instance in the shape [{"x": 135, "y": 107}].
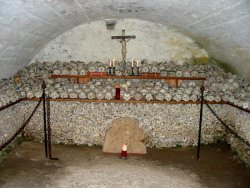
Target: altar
[{"x": 124, "y": 131}]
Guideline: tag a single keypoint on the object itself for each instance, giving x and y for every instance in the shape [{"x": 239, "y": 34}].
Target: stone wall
[
  {"x": 239, "y": 121},
  {"x": 11, "y": 119},
  {"x": 164, "y": 125},
  {"x": 92, "y": 42}
]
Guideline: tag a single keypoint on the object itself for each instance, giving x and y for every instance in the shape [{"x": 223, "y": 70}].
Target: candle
[
  {"x": 132, "y": 62},
  {"x": 113, "y": 62},
  {"x": 137, "y": 63},
  {"x": 110, "y": 63}
]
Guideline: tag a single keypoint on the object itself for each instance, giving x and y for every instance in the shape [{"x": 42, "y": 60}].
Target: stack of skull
[{"x": 218, "y": 86}]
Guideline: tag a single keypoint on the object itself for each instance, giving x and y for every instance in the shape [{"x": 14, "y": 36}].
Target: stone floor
[{"x": 89, "y": 167}]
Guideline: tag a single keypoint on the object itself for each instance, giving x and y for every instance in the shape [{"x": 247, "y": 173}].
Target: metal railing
[
  {"x": 46, "y": 117},
  {"x": 227, "y": 126},
  {"x": 202, "y": 101},
  {"x": 47, "y": 126},
  {"x": 22, "y": 127}
]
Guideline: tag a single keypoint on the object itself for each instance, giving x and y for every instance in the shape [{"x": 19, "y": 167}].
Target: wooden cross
[{"x": 123, "y": 40}]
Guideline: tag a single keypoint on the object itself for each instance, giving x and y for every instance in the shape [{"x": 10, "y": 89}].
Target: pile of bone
[
  {"x": 78, "y": 67},
  {"x": 8, "y": 92},
  {"x": 164, "y": 68},
  {"x": 130, "y": 90},
  {"x": 87, "y": 123},
  {"x": 218, "y": 86}
]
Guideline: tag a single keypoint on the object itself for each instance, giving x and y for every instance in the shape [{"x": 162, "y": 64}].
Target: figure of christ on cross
[{"x": 123, "y": 40}]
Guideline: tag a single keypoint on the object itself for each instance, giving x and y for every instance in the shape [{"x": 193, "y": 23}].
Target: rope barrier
[
  {"x": 22, "y": 127},
  {"x": 11, "y": 104},
  {"x": 226, "y": 126}
]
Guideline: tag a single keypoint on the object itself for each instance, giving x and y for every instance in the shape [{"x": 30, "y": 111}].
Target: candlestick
[
  {"x": 113, "y": 71},
  {"x": 138, "y": 73},
  {"x": 110, "y": 73},
  {"x": 132, "y": 71}
]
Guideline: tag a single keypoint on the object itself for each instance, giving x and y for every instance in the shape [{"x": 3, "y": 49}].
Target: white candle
[
  {"x": 132, "y": 62},
  {"x": 124, "y": 147},
  {"x": 113, "y": 62},
  {"x": 110, "y": 63},
  {"x": 137, "y": 63}
]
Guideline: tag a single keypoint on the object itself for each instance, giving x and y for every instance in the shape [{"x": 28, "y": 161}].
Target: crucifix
[{"x": 123, "y": 39}]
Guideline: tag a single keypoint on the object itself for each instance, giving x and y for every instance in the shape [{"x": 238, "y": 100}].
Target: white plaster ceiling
[{"x": 220, "y": 26}]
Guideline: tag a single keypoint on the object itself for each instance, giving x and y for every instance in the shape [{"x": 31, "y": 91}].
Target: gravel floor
[{"x": 89, "y": 167}]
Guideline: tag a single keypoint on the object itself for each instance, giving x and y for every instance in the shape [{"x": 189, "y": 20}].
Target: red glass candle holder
[{"x": 117, "y": 93}]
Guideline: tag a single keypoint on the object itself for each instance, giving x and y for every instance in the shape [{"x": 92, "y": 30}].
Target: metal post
[
  {"x": 49, "y": 130},
  {"x": 200, "y": 123},
  {"x": 44, "y": 119}
]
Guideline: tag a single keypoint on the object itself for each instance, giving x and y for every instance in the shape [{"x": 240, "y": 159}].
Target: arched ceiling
[{"x": 220, "y": 26}]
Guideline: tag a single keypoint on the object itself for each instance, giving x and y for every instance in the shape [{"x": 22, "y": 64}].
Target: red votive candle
[{"x": 117, "y": 93}]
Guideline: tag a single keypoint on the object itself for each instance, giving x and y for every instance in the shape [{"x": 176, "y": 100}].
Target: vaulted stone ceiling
[{"x": 220, "y": 26}]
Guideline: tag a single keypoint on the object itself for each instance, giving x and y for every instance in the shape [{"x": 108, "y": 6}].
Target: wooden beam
[
  {"x": 145, "y": 76},
  {"x": 124, "y": 37},
  {"x": 124, "y": 101}
]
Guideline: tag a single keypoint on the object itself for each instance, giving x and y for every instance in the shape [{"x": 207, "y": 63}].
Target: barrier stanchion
[
  {"x": 44, "y": 119},
  {"x": 49, "y": 131},
  {"x": 200, "y": 122}
]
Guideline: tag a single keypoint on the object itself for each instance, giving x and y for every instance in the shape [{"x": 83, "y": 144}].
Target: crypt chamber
[{"x": 148, "y": 75}]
